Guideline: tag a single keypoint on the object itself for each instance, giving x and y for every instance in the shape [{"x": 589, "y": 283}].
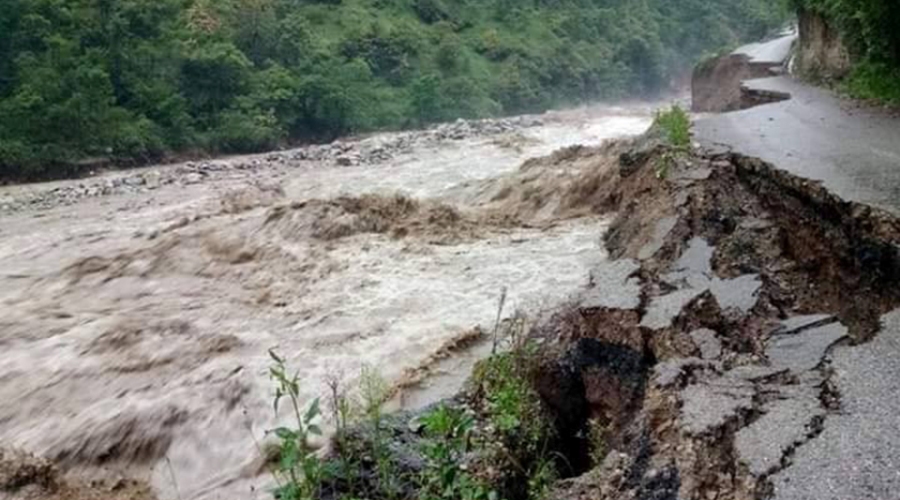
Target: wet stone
[
  {"x": 693, "y": 174},
  {"x": 754, "y": 223}
]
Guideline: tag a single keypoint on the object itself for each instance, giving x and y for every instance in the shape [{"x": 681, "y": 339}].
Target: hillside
[
  {"x": 83, "y": 82},
  {"x": 854, "y": 43}
]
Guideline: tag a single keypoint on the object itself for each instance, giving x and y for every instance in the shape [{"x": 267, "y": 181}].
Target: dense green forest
[
  {"x": 871, "y": 29},
  {"x": 135, "y": 79}
]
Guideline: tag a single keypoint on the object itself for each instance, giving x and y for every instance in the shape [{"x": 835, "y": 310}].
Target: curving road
[{"x": 854, "y": 152}]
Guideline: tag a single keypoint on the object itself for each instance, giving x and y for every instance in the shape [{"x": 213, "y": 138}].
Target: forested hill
[{"x": 85, "y": 79}]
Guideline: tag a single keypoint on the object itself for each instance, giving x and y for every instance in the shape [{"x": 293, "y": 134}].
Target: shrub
[
  {"x": 676, "y": 125},
  {"x": 876, "y": 81},
  {"x": 298, "y": 464},
  {"x": 430, "y": 11}
]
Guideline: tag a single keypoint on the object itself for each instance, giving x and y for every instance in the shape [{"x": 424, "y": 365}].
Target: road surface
[{"x": 854, "y": 152}]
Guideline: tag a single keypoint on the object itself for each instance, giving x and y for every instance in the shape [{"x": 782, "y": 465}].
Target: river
[{"x": 136, "y": 326}]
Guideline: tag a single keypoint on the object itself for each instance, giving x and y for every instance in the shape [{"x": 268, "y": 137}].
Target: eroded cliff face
[
  {"x": 821, "y": 53},
  {"x": 716, "y": 85}
]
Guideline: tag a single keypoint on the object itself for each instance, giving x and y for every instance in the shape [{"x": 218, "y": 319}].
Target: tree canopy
[{"x": 135, "y": 79}]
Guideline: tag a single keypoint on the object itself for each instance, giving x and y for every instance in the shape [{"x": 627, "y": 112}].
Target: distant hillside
[{"x": 134, "y": 79}]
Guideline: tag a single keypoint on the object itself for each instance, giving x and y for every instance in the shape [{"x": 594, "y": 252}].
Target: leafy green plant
[
  {"x": 447, "y": 430},
  {"x": 374, "y": 391},
  {"x": 676, "y": 125},
  {"x": 597, "y": 436},
  {"x": 874, "y": 81},
  {"x": 298, "y": 464},
  {"x": 342, "y": 409},
  {"x": 541, "y": 478}
]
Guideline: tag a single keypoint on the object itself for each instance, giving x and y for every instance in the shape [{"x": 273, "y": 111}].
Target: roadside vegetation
[
  {"x": 83, "y": 82},
  {"x": 675, "y": 126},
  {"x": 870, "y": 30},
  {"x": 494, "y": 441}
]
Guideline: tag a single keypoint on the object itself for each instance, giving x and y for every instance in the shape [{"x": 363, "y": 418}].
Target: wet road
[
  {"x": 773, "y": 51},
  {"x": 854, "y": 152}
]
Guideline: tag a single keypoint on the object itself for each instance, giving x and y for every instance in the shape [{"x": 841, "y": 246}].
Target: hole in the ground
[{"x": 593, "y": 393}]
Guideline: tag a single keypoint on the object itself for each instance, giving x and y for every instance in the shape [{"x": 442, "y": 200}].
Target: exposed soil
[{"x": 683, "y": 432}]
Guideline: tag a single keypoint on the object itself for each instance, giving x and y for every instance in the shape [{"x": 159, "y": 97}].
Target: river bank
[{"x": 138, "y": 319}]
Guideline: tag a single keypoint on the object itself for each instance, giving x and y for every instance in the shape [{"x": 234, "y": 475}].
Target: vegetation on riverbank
[
  {"x": 495, "y": 440},
  {"x": 85, "y": 81}
]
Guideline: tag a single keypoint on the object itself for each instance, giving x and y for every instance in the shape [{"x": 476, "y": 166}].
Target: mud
[
  {"x": 749, "y": 277},
  {"x": 137, "y": 314}
]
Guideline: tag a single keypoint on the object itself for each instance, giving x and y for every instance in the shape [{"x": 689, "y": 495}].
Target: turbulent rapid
[{"x": 139, "y": 308}]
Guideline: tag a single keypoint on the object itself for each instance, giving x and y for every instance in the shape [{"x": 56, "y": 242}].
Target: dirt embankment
[
  {"x": 716, "y": 84},
  {"x": 749, "y": 276}
]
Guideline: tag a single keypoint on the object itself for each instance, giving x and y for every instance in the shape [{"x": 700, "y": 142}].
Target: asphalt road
[
  {"x": 773, "y": 51},
  {"x": 854, "y": 152},
  {"x": 857, "y": 455}
]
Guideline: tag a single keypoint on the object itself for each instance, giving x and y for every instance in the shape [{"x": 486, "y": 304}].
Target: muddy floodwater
[{"x": 135, "y": 326}]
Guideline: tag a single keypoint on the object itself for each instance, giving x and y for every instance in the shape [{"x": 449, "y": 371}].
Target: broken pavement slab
[
  {"x": 857, "y": 455},
  {"x": 786, "y": 423},
  {"x": 613, "y": 286},
  {"x": 664, "y": 309},
  {"x": 693, "y": 273},
  {"x": 739, "y": 293},
  {"x": 707, "y": 405},
  {"x": 803, "y": 351},
  {"x": 709, "y": 344},
  {"x": 661, "y": 231}
]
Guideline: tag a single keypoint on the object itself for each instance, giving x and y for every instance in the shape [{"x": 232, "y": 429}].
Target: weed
[
  {"x": 301, "y": 469},
  {"x": 676, "y": 124},
  {"x": 541, "y": 478},
  {"x": 448, "y": 432},
  {"x": 598, "y": 434},
  {"x": 341, "y": 406},
  {"x": 374, "y": 392}
]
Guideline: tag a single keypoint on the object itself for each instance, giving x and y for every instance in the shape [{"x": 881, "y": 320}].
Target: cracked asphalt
[
  {"x": 855, "y": 153},
  {"x": 857, "y": 455}
]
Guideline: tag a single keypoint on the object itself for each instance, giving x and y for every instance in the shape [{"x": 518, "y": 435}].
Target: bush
[
  {"x": 676, "y": 125},
  {"x": 430, "y": 11},
  {"x": 246, "y": 130},
  {"x": 877, "y": 81}
]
